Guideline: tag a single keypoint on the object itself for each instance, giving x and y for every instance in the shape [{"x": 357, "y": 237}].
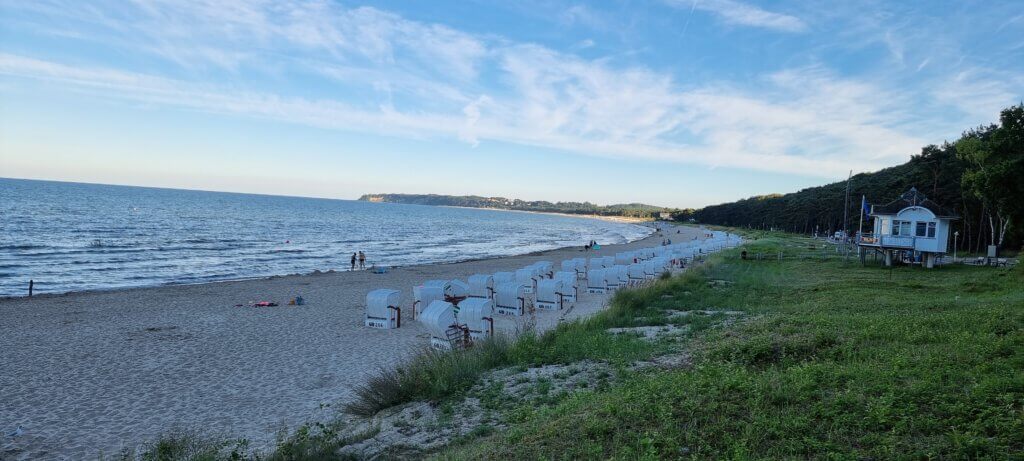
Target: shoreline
[
  {"x": 314, "y": 272},
  {"x": 618, "y": 219},
  {"x": 92, "y": 372}
]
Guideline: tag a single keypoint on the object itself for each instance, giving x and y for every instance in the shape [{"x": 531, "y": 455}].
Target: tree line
[
  {"x": 631, "y": 210},
  {"x": 980, "y": 177}
]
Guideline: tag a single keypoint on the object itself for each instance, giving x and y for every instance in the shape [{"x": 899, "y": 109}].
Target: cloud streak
[
  {"x": 743, "y": 14},
  {"x": 377, "y": 72}
]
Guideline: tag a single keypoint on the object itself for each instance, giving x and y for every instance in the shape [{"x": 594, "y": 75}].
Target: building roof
[{"x": 911, "y": 198}]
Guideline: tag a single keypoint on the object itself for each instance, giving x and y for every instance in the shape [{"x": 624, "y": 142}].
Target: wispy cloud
[
  {"x": 566, "y": 104},
  {"x": 980, "y": 93},
  {"x": 743, "y": 14},
  {"x": 378, "y": 72}
]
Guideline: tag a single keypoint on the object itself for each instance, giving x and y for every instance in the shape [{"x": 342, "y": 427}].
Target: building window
[
  {"x": 901, "y": 228},
  {"x": 924, "y": 229}
]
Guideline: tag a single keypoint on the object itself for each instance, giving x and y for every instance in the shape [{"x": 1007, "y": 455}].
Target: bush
[
  {"x": 182, "y": 445},
  {"x": 432, "y": 375}
]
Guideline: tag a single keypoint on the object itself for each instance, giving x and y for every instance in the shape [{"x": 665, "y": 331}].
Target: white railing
[
  {"x": 903, "y": 241},
  {"x": 899, "y": 241}
]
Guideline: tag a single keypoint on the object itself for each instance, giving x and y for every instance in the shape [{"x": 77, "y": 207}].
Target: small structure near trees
[{"x": 911, "y": 226}]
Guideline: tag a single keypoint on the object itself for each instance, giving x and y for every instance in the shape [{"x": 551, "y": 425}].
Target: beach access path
[{"x": 87, "y": 374}]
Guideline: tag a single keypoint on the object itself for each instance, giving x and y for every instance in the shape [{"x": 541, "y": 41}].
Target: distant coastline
[
  {"x": 625, "y": 212},
  {"x": 618, "y": 219}
]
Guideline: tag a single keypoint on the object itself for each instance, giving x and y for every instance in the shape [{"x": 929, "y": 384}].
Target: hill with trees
[
  {"x": 980, "y": 177},
  {"x": 630, "y": 210}
]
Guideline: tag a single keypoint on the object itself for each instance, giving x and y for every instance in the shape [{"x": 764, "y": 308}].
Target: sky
[{"x": 677, "y": 103}]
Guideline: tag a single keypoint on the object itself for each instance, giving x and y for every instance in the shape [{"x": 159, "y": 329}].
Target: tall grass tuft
[
  {"x": 432, "y": 375},
  {"x": 182, "y": 445}
]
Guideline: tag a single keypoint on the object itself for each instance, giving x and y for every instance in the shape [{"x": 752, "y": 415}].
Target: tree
[{"x": 994, "y": 170}]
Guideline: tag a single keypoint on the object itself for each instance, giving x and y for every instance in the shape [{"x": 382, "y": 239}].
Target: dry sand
[{"x": 87, "y": 374}]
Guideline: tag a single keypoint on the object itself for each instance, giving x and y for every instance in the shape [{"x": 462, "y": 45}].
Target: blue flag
[{"x": 864, "y": 206}]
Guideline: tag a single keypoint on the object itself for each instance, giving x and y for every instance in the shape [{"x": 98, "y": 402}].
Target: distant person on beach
[
  {"x": 362, "y": 260},
  {"x": 353, "y": 262}
]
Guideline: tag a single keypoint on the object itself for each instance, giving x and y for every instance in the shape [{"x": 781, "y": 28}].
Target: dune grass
[
  {"x": 188, "y": 445},
  {"x": 835, "y": 360},
  {"x": 437, "y": 376}
]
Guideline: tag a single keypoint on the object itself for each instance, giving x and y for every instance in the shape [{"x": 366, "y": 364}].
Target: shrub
[
  {"x": 182, "y": 445},
  {"x": 432, "y": 375}
]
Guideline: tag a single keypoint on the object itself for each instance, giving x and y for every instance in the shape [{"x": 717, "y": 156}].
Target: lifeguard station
[{"x": 911, "y": 225}]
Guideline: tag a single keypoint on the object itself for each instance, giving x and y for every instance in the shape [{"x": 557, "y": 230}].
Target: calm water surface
[{"x": 73, "y": 237}]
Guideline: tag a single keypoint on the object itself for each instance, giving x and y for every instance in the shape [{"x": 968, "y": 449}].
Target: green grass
[{"x": 835, "y": 361}]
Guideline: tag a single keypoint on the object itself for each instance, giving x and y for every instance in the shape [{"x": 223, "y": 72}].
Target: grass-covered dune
[
  {"x": 798, "y": 353},
  {"x": 839, "y": 361}
]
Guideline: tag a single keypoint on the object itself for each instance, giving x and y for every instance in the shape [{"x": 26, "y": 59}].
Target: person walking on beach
[
  {"x": 353, "y": 262},
  {"x": 362, "y": 260}
]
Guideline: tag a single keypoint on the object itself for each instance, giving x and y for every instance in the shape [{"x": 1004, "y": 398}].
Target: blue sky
[{"x": 670, "y": 102}]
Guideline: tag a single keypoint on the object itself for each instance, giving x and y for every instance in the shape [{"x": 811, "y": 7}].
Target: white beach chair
[
  {"x": 617, "y": 277},
  {"x": 527, "y": 277},
  {"x": 458, "y": 288},
  {"x": 570, "y": 285},
  {"x": 652, "y": 269},
  {"x": 509, "y": 299},
  {"x": 445, "y": 331},
  {"x": 544, "y": 268},
  {"x": 481, "y": 286},
  {"x": 580, "y": 267},
  {"x": 445, "y": 285},
  {"x": 636, "y": 274},
  {"x": 568, "y": 265},
  {"x": 550, "y": 294},
  {"x": 596, "y": 281},
  {"x": 477, "y": 314},
  {"x": 424, "y": 295},
  {"x": 504, "y": 277},
  {"x": 383, "y": 310}
]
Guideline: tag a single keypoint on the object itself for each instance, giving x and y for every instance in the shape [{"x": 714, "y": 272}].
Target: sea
[{"x": 69, "y": 237}]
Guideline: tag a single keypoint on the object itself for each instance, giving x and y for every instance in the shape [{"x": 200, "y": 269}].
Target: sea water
[{"x": 74, "y": 237}]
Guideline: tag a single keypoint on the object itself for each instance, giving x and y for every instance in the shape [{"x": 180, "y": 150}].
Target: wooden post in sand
[{"x": 30, "y": 286}]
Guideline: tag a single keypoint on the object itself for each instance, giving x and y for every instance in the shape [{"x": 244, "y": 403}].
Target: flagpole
[
  {"x": 846, "y": 209},
  {"x": 860, "y": 225}
]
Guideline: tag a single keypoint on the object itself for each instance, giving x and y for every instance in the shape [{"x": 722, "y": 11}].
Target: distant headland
[{"x": 626, "y": 210}]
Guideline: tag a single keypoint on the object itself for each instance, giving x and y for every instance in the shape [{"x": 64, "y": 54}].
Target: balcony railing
[{"x": 897, "y": 241}]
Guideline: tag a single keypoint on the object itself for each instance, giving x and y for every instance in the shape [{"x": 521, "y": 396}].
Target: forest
[{"x": 980, "y": 177}]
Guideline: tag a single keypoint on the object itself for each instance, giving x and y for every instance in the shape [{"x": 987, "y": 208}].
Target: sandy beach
[{"x": 87, "y": 374}]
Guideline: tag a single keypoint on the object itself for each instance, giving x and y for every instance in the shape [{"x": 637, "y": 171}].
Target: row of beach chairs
[{"x": 456, "y": 313}]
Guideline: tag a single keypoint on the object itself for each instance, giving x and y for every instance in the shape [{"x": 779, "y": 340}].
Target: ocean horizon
[{"x": 70, "y": 237}]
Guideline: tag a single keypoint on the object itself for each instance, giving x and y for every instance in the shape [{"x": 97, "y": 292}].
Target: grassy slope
[
  {"x": 833, "y": 360},
  {"x": 839, "y": 361}
]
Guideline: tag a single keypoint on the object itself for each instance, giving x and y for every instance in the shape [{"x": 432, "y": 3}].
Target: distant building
[
  {"x": 665, "y": 215},
  {"x": 912, "y": 227}
]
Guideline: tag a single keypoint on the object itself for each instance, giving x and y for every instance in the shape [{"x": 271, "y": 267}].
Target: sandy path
[{"x": 89, "y": 373}]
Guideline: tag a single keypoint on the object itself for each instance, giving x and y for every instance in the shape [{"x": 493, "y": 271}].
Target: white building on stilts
[{"x": 911, "y": 228}]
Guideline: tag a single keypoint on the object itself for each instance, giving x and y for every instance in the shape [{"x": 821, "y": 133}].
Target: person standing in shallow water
[
  {"x": 353, "y": 262},
  {"x": 362, "y": 260}
]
